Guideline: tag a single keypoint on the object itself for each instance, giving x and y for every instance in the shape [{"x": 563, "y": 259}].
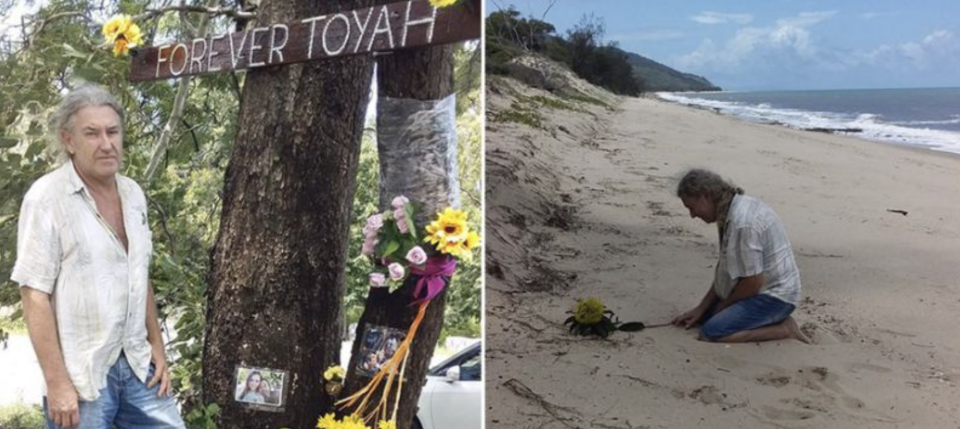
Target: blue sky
[{"x": 779, "y": 44}]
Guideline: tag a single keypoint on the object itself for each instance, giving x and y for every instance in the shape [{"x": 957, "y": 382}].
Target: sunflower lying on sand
[{"x": 591, "y": 317}]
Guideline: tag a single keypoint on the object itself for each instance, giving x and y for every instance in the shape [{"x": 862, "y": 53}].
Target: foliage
[
  {"x": 509, "y": 35},
  {"x": 22, "y": 416},
  {"x": 184, "y": 196}
]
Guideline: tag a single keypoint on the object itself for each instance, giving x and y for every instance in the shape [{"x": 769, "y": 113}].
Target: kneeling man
[{"x": 757, "y": 284}]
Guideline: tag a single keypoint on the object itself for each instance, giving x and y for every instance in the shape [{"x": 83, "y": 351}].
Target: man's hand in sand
[{"x": 689, "y": 319}]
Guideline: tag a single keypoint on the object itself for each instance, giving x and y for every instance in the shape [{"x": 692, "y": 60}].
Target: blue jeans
[
  {"x": 750, "y": 313},
  {"x": 127, "y": 403}
]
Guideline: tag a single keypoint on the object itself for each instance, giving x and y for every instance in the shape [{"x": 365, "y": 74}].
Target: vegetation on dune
[{"x": 582, "y": 49}]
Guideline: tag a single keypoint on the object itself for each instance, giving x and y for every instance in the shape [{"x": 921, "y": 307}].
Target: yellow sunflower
[
  {"x": 335, "y": 372},
  {"x": 442, "y": 3},
  {"x": 450, "y": 227},
  {"x": 387, "y": 424},
  {"x": 115, "y": 27},
  {"x": 589, "y": 311},
  {"x": 329, "y": 421},
  {"x": 122, "y": 33},
  {"x": 457, "y": 249},
  {"x": 120, "y": 47},
  {"x": 472, "y": 241}
]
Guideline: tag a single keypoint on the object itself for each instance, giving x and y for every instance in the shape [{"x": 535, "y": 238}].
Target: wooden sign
[{"x": 388, "y": 27}]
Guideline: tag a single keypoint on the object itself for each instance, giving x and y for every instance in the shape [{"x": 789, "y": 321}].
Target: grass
[
  {"x": 588, "y": 99},
  {"x": 519, "y": 113},
  {"x": 22, "y": 416}
]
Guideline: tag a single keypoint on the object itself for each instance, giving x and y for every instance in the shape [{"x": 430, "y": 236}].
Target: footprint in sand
[
  {"x": 711, "y": 395},
  {"x": 778, "y": 414},
  {"x": 774, "y": 380}
]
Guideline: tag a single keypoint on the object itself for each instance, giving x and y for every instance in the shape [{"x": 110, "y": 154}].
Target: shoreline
[{"x": 835, "y": 131}]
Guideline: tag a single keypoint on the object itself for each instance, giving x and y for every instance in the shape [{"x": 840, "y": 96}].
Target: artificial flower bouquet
[
  {"x": 398, "y": 250},
  {"x": 392, "y": 242}
]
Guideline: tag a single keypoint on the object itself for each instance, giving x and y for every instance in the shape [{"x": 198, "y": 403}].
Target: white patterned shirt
[
  {"x": 98, "y": 289},
  {"x": 755, "y": 242}
]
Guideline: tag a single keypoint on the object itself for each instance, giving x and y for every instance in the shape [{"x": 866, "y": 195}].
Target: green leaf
[
  {"x": 72, "y": 52},
  {"x": 608, "y": 325},
  {"x": 408, "y": 209},
  {"x": 390, "y": 247},
  {"x": 599, "y": 330},
  {"x": 8, "y": 142},
  {"x": 34, "y": 150},
  {"x": 632, "y": 327}
]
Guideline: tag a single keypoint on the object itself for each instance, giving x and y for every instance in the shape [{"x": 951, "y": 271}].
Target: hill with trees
[{"x": 582, "y": 49}]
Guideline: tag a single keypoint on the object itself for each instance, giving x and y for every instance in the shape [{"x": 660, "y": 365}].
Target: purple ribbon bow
[{"x": 432, "y": 276}]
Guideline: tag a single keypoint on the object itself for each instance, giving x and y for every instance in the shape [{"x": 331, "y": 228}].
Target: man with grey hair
[
  {"x": 83, "y": 258},
  {"x": 756, "y": 285}
]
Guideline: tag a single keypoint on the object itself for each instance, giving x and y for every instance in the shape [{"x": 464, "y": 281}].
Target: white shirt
[
  {"x": 98, "y": 289},
  {"x": 755, "y": 242}
]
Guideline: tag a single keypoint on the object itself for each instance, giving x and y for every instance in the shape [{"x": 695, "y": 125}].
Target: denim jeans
[
  {"x": 126, "y": 403},
  {"x": 749, "y": 313}
]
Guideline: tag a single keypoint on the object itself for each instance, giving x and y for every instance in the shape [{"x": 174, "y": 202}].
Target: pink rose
[
  {"x": 417, "y": 256},
  {"x": 399, "y": 201},
  {"x": 378, "y": 280},
  {"x": 375, "y": 221},
  {"x": 396, "y": 271},
  {"x": 369, "y": 244},
  {"x": 401, "y": 216}
]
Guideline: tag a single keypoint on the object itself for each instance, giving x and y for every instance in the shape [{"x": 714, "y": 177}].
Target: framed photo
[
  {"x": 379, "y": 345},
  {"x": 261, "y": 388}
]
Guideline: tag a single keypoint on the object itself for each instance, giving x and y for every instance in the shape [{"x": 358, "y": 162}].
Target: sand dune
[{"x": 582, "y": 205}]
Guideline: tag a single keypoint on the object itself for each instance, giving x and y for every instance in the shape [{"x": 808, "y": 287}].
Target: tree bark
[
  {"x": 277, "y": 278},
  {"x": 424, "y": 74}
]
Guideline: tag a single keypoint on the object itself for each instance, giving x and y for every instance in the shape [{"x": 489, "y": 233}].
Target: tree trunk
[
  {"x": 277, "y": 278},
  {"x": 424, "y": 74}
]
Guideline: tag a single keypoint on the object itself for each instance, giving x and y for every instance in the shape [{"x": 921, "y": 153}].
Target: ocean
[{"x": 924, "y": 117}]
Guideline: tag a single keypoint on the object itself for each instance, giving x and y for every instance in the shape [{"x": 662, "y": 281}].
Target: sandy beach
[{"x": 583, "y": 205}]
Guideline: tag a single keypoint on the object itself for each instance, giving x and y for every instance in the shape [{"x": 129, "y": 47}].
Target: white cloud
[
  {"x": 788, "y": 40},
  {"x": 789, "y": 53},
  {"x": 647, "y": 35},
  {"x": 722, "y": 18},
  {"x": 938, "y": 49},
  {"x": 806, "y": 19}
]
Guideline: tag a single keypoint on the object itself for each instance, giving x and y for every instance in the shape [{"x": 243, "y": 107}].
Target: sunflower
[
  {"x": 457, "y": 249},
  {"x": 122, "y": 33},
  {"x": 115, "y": 27},
  {"x": 589, "y": 311},
  {"x": 334, "y": 373},
  {"x": 442, "y": 3},
  {"x": 329, "y": 421},
  {"x": 449, "y": 228},
  {"x": 387, "y": 424},
  {"x": 472, "y": 241}
]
